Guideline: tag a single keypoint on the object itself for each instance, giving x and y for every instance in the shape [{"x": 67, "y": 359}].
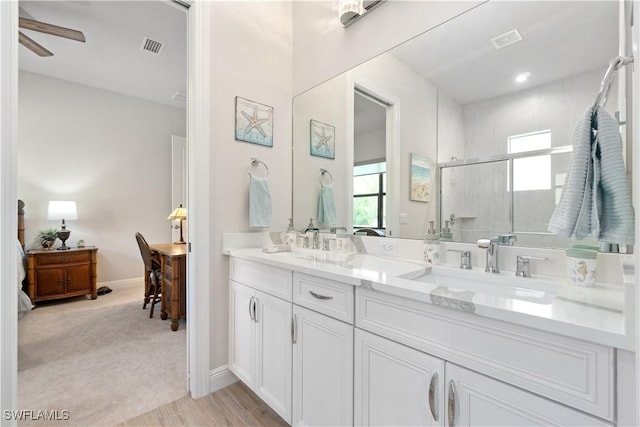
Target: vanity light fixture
[
  {"x": 63, "y": 210},
  {"x": 179, "y": 213},
  {"x": 350, "y": 10},
  {"x": 523, "y": 77}
]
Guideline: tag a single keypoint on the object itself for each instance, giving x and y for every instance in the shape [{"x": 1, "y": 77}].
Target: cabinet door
[
  {"x": 396, "y": 385},
  {"x": 50, "y": 281},
  {"x": 241, "y": 332},
  {"x": 78, "y": 278},
  {"x": 273, "y": 353},
  {"x": 322, "y": 370},
  {"x": 476, "y": 400}
]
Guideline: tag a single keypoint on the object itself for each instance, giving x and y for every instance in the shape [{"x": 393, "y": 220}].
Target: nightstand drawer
[{"x": 57, "y": 258}]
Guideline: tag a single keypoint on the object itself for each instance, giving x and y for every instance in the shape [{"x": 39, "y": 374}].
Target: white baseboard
[
  {"x": 124, "y": 283},
  {"x": 220, "y": 377}
]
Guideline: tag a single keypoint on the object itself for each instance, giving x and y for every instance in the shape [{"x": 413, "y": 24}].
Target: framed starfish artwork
[
  {"x": 254, "y": 122},
  {"x": 322, "y": 139}
]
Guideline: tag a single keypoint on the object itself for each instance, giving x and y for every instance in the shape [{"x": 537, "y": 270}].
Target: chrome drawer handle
[
  {"x": 452, "y": 404},
  {"x": 432, "y": 395},
  {"x": 318, "y": 296}
]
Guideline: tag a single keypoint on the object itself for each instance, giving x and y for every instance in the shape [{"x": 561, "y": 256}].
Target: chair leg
[
  {"x": 156, "y": 292},
  {"x": 147, "y": 292}
]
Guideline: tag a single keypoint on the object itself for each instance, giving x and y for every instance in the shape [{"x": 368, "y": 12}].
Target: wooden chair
[{"x": 152, "y": 291}]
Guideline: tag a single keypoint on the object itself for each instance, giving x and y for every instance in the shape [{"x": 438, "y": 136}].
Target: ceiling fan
[{"x": 42, "y": 27}]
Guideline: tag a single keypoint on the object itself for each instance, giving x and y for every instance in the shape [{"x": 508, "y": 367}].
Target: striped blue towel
[{"x": 596, "y": 198}]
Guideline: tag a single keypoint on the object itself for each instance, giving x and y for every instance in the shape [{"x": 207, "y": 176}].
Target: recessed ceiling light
[{"x": 521, "y": 78}]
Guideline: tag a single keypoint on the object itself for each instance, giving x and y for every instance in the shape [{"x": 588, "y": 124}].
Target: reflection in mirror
[
  {"x": 369, "y": 163},
  {"x": 459, "y": 92}
]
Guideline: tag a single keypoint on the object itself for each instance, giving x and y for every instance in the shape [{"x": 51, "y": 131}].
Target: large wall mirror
[{"x": 469, "y": 123}]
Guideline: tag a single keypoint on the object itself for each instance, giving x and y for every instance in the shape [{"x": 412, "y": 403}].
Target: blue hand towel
[
  {"x": 596, "y": 199},
  {"x": 259, "y": 202},
  {"x": 613, "y": 208},
  {"x": 327, "y": 206}
]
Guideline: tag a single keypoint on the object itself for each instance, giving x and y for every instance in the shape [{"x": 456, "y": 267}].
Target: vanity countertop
[{"x": 592, "y": 314}]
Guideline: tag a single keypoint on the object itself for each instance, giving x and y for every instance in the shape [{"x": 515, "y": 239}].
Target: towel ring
[
  {"x": 615, "y": 64},
  {"x": 324, "y": 172},
  {"x": 255, "y": 163}
]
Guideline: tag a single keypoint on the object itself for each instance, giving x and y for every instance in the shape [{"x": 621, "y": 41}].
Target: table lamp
[
  {"x": 179, "y": 213},
  {"x": 62, "y": 210}
]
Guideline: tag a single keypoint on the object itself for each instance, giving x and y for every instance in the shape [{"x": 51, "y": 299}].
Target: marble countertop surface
[{"x": 592, "y": 314}]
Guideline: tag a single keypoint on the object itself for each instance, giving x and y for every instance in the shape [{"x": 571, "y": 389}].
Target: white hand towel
[{"x": 259, "y": 202}]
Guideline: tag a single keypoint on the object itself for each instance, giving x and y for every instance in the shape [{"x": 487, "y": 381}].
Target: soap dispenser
[
  {"x": 291, "y": 234},
  {"x": 431, "y": 249},
  {"x": 445, "y": 234}
]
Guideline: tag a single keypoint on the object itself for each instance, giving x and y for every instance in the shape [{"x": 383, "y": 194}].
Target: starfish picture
[
  {"x": 322, "y": 139},
  {"x": 254, "y": 122}
]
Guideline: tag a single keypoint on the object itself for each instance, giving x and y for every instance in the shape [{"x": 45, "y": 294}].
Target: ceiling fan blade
[
  {"x": 54, "y": 30},
  {"x": 32, "y": 45}
]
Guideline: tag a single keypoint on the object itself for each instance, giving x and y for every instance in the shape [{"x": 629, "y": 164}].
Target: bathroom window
[
  {"x": 369, "y": 193},
  {"x": 531, "y": 173}
]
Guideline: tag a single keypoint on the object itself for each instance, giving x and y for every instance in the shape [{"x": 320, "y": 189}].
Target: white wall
[
  {"x": 110, "y": 153},
  {"x": 251, "y": 52},
  {"x": 323, "y": 48}
]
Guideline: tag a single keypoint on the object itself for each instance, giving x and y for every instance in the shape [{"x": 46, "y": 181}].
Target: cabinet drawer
[
  {"x": 328, "y": 297},
  {"x": 574, "y": 372},
  {"x": 272, "y": 280},
  {"x": 63, "y": 258}
]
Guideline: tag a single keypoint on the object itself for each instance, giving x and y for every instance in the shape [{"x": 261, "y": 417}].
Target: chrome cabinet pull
[
  {"x": 452, "y": 404},
  {"x": 255, "y": 309},
  {"x": 318, "y": 296},
  {"x": 432, "y": 395},
  {"x": 251, "y": 309},
  {"x": 294, "y": 329}
]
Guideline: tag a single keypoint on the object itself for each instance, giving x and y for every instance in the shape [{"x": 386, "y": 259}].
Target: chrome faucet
[
  {"x": 316, "y": 234},
  {"x": 522, "y": 264},
  {"x": 491, "y": 245}
]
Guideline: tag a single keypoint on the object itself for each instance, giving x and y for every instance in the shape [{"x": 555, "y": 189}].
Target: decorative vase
[{"x": 47, "y": 243}]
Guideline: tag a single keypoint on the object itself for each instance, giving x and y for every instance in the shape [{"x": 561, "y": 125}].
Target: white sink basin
[{"x": 467, "y": 283}]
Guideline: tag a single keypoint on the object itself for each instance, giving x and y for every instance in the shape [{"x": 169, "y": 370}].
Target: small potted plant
[{"x": 48, "y": 237}]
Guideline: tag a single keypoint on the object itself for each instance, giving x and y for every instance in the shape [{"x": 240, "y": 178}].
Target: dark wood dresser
[{"x": 57, "y": 274}]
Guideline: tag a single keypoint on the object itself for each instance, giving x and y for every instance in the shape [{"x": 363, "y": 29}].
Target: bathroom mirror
[{"x": 467, "y": 95}]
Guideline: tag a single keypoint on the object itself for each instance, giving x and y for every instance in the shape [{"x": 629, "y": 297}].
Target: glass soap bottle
[
  {"x": 291, "y": 234},
  {"x": 431, "y": 247}
]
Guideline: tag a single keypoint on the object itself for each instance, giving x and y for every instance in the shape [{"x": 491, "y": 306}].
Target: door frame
[{"x": 198, "y": 265}]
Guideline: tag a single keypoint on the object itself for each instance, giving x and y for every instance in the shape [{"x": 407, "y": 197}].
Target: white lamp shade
[
  {"x": 62, "y": 210},
  {"x": 178, "y": 213}
]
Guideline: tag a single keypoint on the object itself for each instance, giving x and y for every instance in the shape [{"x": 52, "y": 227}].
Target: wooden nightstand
[{"x": 57, "y": 274}]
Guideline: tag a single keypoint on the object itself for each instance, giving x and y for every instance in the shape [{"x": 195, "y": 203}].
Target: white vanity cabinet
[
  {"x": 473, "y": 399},
  {"x": 322, "y": 352},
  {"x": 395, "y": 385},
  {"x": 400, "y": 386},
  {"x": 260, "y": 334},
  {"x": 513, "y": 374}
]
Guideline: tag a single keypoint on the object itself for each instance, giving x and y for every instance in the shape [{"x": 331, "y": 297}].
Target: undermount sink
[{"x": 460, "y": 282}]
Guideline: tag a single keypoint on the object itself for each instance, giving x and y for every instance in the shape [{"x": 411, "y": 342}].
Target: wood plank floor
[{"x": 234, "y": 405}]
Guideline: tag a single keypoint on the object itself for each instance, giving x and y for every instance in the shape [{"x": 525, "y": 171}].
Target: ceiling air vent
[
  {"x": 180, "y": 96},
  {"x": 506, "y": 39},
  {"x": 152, "y": 46}
]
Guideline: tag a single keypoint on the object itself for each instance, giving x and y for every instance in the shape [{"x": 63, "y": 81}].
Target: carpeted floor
[{"x": 103, "y": 361}]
